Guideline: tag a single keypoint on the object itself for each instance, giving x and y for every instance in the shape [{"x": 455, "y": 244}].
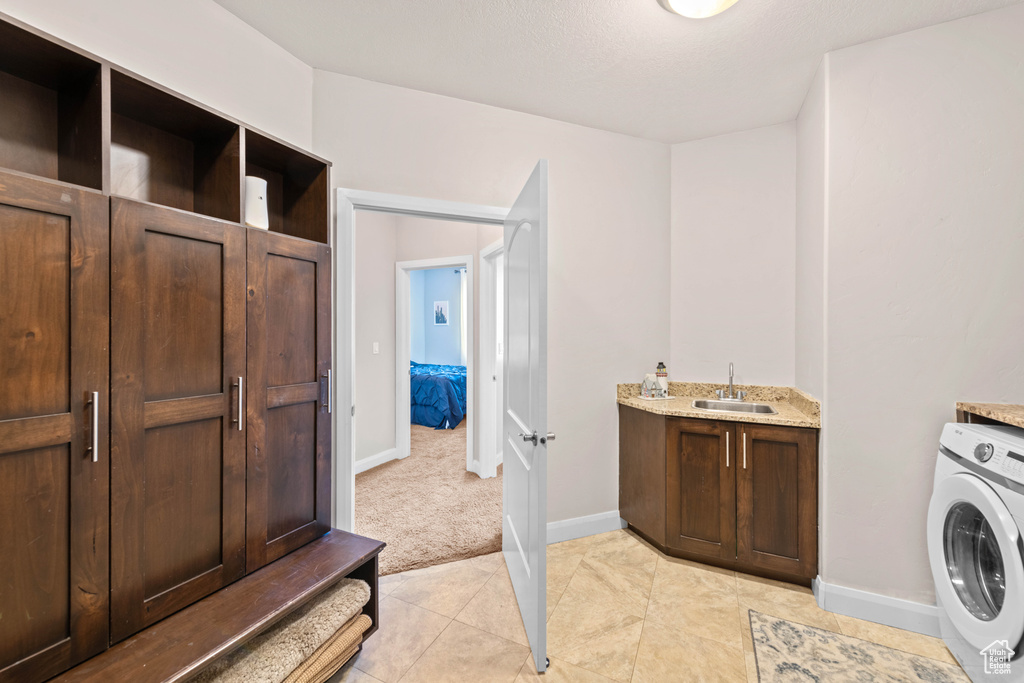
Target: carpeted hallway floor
[{"x": 427, "y": 507}]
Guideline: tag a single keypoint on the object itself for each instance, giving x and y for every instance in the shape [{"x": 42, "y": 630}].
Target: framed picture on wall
[{"x": 441, "y": 313}]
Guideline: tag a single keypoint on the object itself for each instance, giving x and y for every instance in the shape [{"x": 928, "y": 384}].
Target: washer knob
[{"x": 983, "y": 452}]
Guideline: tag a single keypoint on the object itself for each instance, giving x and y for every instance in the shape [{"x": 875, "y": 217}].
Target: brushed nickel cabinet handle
[
  {"x": 239, "y": 420},
  {"x": 95, "y": 447},
  {"x": 744, "y": 450},
  {"x": 328, "y": 402},
  {"x": 727, "y": 448}
]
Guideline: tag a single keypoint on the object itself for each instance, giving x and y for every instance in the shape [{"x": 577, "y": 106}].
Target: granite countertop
[
  {"x": 795, "y": 408},
  {"x": 1010, "y": 413}
]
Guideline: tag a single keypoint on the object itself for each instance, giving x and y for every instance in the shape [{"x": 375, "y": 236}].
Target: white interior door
[{"x": 524, "y": 527}]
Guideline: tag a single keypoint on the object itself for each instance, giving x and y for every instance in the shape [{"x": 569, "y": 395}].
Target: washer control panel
[
  {"x": 1013, "y": 465},
  {"x": 994, "y": 447}
]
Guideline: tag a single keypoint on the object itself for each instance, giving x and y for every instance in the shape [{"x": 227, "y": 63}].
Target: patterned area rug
[{"x": 787, "y": 652}]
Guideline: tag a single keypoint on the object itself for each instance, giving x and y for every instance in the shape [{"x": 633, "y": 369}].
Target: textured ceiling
[{"x": 620, "y": 65}]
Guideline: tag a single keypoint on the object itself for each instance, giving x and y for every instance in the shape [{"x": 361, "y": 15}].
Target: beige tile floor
[{"x": 618, "y": 610}]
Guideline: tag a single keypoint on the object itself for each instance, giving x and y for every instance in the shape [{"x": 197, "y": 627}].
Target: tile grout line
[
  {"x": 562, "y": 592},
  {"x": 450, "y": 620},
  {"x": 568, "y": 581},
  {"x": 420, "y": 656},
  {"x": 643, "y": 624},
  {"x": 643, "y": 621}
]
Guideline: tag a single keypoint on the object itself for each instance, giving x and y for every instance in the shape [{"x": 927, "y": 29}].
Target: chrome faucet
[{"x": 737, "y": 396}]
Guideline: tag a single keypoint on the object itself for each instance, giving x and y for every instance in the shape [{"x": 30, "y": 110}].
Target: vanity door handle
[
  {"x": 727, "y": 448},
  {"x": 744, "y": 450}
]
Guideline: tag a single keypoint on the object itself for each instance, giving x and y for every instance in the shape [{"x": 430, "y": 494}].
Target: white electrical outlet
[{"x": 376, "y": 347}]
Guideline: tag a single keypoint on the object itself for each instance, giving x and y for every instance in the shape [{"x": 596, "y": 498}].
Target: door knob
[
  {"x": 549, "y": 437},
  {"x": 530, "y": 438}
]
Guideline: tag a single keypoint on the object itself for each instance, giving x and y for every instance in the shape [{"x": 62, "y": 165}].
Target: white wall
[
  {"x": 925, "y": 246},
  {"x": 608, "y": 285},
  {"x": 442, "y": 344},
  {"x": 733, "y": 237},
  {"x": 195, "y": 47},
  {"x": 375, "y": 238},
  {"x": 811, "y": 217},
  {"x": 811, "y": 281}
]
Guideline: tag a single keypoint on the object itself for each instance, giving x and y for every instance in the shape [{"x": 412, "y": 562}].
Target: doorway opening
[
  {"x": 417, "y": 478},
  {"x": 492, "y": 368},
  {"x": 524, "y": 432}
]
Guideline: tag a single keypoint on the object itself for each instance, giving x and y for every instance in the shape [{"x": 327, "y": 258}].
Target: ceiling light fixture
[{"x": 697, "y": 9}]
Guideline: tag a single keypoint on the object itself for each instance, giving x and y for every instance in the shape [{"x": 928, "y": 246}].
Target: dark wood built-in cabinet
[
  {"x": 51, "y": 109},
  {"x": 54, "y": 336},
  {"x": 735, "y": 494},
  {"x": 177, "y": 454},
  {"x": 296, "y": 187},
  {"x": 289, "y": 337},
  {"x": 168, "y": 151},
  {"x": 165, "y": 372}
]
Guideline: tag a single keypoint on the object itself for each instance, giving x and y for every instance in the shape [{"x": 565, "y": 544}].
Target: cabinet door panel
[
  {"x": 291, "y": 467},
  {"x": 183, "y": 281},
  {"x": 291, "y": 338},
  {"x": 54, "y": 335},
  {"x": 178, "y": 459},
  {"x": 700, "y": 493},
  {"x": 288, "y": 482},
  {"x": 183, "y": 489},
  {"x": 777, "y": 499},
  {"x": 35, "y": 250}
]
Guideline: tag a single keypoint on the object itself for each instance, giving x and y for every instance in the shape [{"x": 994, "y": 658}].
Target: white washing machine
[{"x": 976, "y": 550}]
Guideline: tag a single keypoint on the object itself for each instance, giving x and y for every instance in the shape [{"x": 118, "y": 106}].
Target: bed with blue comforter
[{"x": 438, "y": 394}]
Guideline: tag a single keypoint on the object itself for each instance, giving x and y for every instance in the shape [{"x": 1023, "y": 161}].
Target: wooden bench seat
[{"x": 186, "y": 642}]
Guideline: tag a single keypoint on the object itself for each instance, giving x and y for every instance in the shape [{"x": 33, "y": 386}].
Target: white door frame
[
  {"x": 490, "y": 427},
  {"x": 403, "y": 354},
  {"x": 348, "y": 201}
]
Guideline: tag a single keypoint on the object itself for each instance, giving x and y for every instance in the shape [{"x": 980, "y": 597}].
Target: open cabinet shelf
[
  {"x": 297, "y": 186},
  {"x": 50, "y": 109},
  {"x": 168, "y": 151}
]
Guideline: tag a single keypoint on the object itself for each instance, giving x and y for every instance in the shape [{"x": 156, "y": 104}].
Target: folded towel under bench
[{"x": 305, "y": 646}]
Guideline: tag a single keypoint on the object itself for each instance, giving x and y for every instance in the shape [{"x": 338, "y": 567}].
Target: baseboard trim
[
  {"x": 881, "y": 609},
  {"x": 375, "y": 460},
  {"x": 578, "y": 527}
]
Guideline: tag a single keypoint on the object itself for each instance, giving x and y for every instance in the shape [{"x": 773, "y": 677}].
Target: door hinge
[{"x": 353, "y": 411}]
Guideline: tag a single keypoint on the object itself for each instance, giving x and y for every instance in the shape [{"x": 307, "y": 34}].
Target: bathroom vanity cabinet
[{"x": 739, "y": 495}]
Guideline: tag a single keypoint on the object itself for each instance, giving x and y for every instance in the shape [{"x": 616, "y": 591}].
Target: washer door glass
[{"x": 974, "y": 562}]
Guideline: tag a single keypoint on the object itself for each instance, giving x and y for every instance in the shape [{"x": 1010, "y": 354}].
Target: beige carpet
[{"x": 427, "y": 507}]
